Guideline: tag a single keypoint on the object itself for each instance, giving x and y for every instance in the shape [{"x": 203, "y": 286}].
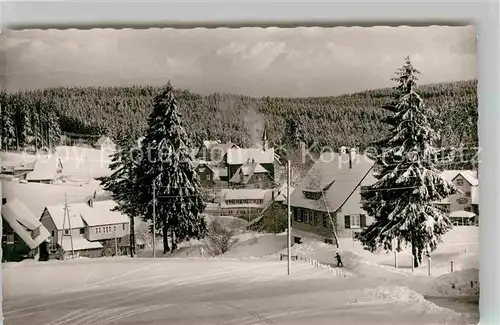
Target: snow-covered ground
[
  {"x": 78, "y": 162},
  {"x": 207, "y": 291}
]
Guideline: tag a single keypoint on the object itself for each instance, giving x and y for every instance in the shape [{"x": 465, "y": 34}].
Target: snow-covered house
[
  {"x": 89, "y": 225},
  {"x": 46, "y": 171},
  {"x": 243, "y": 203},
  {"x": 466, "y": 200},
  {"x": 204, "y": 150},
  {"x": 237, "y": 157},
  {"x": 105, "y": 143},
  {"x": 207, "y": 173},
  {"x": 332, "y": 188},
  {"x": 252, "y": 175},
  {"x": 23, "y": 235}
]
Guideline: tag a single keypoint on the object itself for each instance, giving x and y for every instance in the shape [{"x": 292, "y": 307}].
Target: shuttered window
[{"x": 347, "y": 221}]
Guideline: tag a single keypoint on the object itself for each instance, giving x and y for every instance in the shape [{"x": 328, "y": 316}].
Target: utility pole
[
  {"x": 288, "y": 210},
  {"x": 66, "y": 215}
]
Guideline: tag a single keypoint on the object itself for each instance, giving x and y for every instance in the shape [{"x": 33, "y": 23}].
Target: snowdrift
[{"x": 455, "y": 284}]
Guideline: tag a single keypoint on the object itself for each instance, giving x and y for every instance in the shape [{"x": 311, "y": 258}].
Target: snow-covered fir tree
[
  {"x": 122, "y": 181},
  {"x": 167, "y": 165},
  {"x": 409, "y": 178}
]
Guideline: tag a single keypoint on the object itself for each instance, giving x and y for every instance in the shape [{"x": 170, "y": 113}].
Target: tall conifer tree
[
  {"x": 409, "y": 179},
  {"x": 166, "y": 164}
]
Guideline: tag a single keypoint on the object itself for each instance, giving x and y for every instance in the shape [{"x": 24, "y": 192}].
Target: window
[
  {"x": 209, "y": 177},
  {"x": 124, "y": 227},
  {"x": 82, "y": 231},
  {"x": 467, "y": 193},
  {"x": 53, "y": 233},
  {"x": 460, "y": 181},
  {"x": 462, "y": 200},
  {"x": 66, "y": 231},
  {"x": 300, "y": 215},
  {"x": 10, "y": 239},
  {"x": 354, "y": 221}
]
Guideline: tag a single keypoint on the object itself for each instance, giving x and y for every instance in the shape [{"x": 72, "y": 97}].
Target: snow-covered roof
[
  {"x": 281, "y": 192},
  {"x": 247, "y": 171},
  {"x": 244, "y": 194},
  {"x": 75, "y": 210},
  {"x": 79, "y": 243},
  {"x": 100, "y": 214},
  {"x": 23, "y": 222},
  {"x": 45, "y": 169},
  {"x": 462, "y": 214},
  {"x": 210, "y": 143},
  {"x": 469, "y": 175},
  {"x": 240, "y": 156},
  {"x": 331, "y": 173},
  {"x": 82, "y": 214}
]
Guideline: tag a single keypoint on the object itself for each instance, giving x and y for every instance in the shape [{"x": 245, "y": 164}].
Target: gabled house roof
[
  {"x": 210, "y": 143},
  {"x": 23, "y": 222},
  {"x": 82, "y": 214},
  {"x": 240, "y": 156},
  {"x": 332, "y": 176},
  {"x": 46, "y": 169},
  {"x": 469, "y": 175},
  {"x": 247, "y": 171},
  {"x": 281, "y": 193}
]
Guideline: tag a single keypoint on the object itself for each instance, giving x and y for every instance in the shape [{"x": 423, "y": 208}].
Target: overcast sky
[{"x": 293, "y": 62}]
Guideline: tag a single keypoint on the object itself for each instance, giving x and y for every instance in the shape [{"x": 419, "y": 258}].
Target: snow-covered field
[
  {"x": 247, "y": 285},
  {"x": 78, "y": 162}
]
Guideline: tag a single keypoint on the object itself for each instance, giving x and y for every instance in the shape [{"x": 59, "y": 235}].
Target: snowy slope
[{"x": 184, "y": 291}]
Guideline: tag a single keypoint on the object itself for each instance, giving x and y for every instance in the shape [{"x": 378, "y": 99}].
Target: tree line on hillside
[
  {"x": 28, "y": 122},
  {"x": 29, "y": 118}
]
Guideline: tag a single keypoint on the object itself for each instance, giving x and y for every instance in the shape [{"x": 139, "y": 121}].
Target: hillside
[{"x": 351, "y": 119}]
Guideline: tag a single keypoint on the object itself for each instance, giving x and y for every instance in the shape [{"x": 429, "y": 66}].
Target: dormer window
[{"x": 312, "y": 195}]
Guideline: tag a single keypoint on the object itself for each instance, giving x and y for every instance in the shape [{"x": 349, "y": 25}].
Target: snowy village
[{"x": 121, "y": 204}]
